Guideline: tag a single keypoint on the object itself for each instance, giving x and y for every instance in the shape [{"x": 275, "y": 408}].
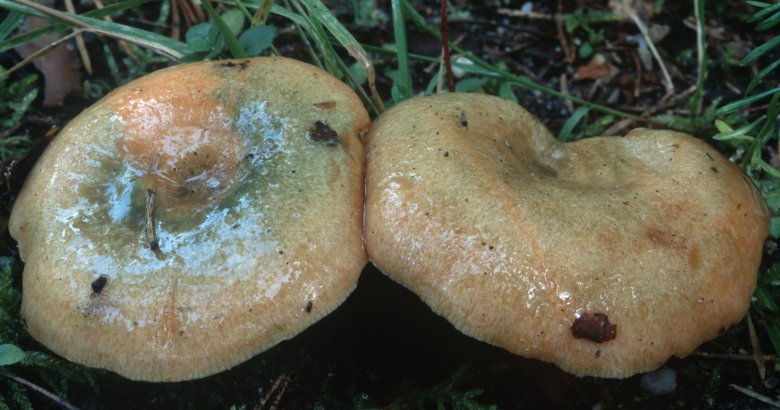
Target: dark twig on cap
[{"x": 150, "y": 231}]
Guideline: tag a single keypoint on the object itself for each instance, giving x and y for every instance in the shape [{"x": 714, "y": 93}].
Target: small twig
[
  {"x": 280, "y": 385},
  {"x": 56, "y": 13},
  {"x": 757, "y": 396},
  {"x": 150, "y": 231},
  {"x": 445, "y": 43},
  {"x": 175, "y": 20},
  {"x": 531, "y": 15},
  {"x": 565, "y": 89},
  {"x": 567, "y": 50},
  {"x": 80, "y": 41},
  {"x": 125, "y": 46},
  {"x": 758, "y": 354},
  {"x": 734, "y": 356},
  {"x": 30, "y": 385},
  {"x": 643, "y": 29},
  {"x": 700, "y": 59}
]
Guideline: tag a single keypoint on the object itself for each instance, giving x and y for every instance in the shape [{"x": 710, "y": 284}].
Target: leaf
[
  {"x": 471, "y": 84},
  {"x": 506, "y": 92},
  {"x": 10, "y": 354},
  {"x": 199, "y": 37},
  {"x": 585, "y": 50},
  {"x": 234, "y": 20},
  {"x": 257, "y": 39}
]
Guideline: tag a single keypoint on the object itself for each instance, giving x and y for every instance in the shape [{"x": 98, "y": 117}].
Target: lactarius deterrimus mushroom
[
  {"x": 604, "y": 256},
  {"x": 194, "y": 217}
]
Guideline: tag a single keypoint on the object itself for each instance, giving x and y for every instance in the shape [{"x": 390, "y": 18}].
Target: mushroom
[
  {"x": 605, "y": 256},
  {"x": 194, "y": 218}
]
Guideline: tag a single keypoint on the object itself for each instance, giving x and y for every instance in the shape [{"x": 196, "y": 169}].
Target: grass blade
[
  {"x": 770, "y": 22},
  {"x": 10, "y": 23},
  {"x": 230, "y": 39},
  {"x": 402, "y": 52},
  {"x": 759, "y": 51},
  {"x": 159, "y": 43},
  {"x": 345, "y": 38},
  {"x": 737, "y": 134},
  {"x": 761, "y": 14},
  {"x": 565, "y": 133},
  {"x": 733, "y": 106},
  {"x": 761, "y": 74}
]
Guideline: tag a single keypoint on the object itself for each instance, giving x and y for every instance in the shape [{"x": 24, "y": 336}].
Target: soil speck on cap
[
  {"x": 99, "y": 283},
  {"x": 242, "y": 65},
  {"x": 309, "y": 306},
  {"x": 594, "y": 327},
  {"x": 321, "y": 132},
  {"x": 326, "y": 105}
]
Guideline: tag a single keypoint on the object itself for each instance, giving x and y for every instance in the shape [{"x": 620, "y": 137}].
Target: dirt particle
[
  {"x": 241, "y": 65},
  {"x": 309, "y": 306},
  {"x": 321, "y": 132},
  {"x": 446, "y": 153},
  {"x": 325, "y": 105},
  {"x": 99, "y": 283},
  {"x": 594, "y": 327}
]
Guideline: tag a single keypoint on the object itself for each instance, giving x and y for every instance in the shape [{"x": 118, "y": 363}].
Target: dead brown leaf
[
  {"x": 597, "y": 68},
  {"x": 58, "y": 66}
]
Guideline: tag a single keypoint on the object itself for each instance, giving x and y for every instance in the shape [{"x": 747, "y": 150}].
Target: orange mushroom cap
[
  {"x": 604, "y": 256},
  {"x": 194, "y": 217}
]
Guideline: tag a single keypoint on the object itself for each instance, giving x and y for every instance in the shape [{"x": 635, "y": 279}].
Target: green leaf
[
  {"x": 234, "y": 19},
  {"x": 257, "y": 39},
  {"x": 759, "y": 51},
  {"x": 199, "y": 36},
  {"x": 470, "y": 84},
  {"x": 568, "y": 126},
  {"x": 10, "y": 354},
  {"x": 506, "y": 92},
  {"x": 585, "y": 50}
]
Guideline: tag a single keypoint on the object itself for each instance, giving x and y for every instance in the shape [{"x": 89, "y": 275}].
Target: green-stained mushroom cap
[
  {"x": 605, "y": 256},
  {"x": 194, "y": 217}
]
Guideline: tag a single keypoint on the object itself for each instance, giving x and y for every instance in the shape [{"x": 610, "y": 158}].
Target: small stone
[{"x": 659, "y": 382}]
